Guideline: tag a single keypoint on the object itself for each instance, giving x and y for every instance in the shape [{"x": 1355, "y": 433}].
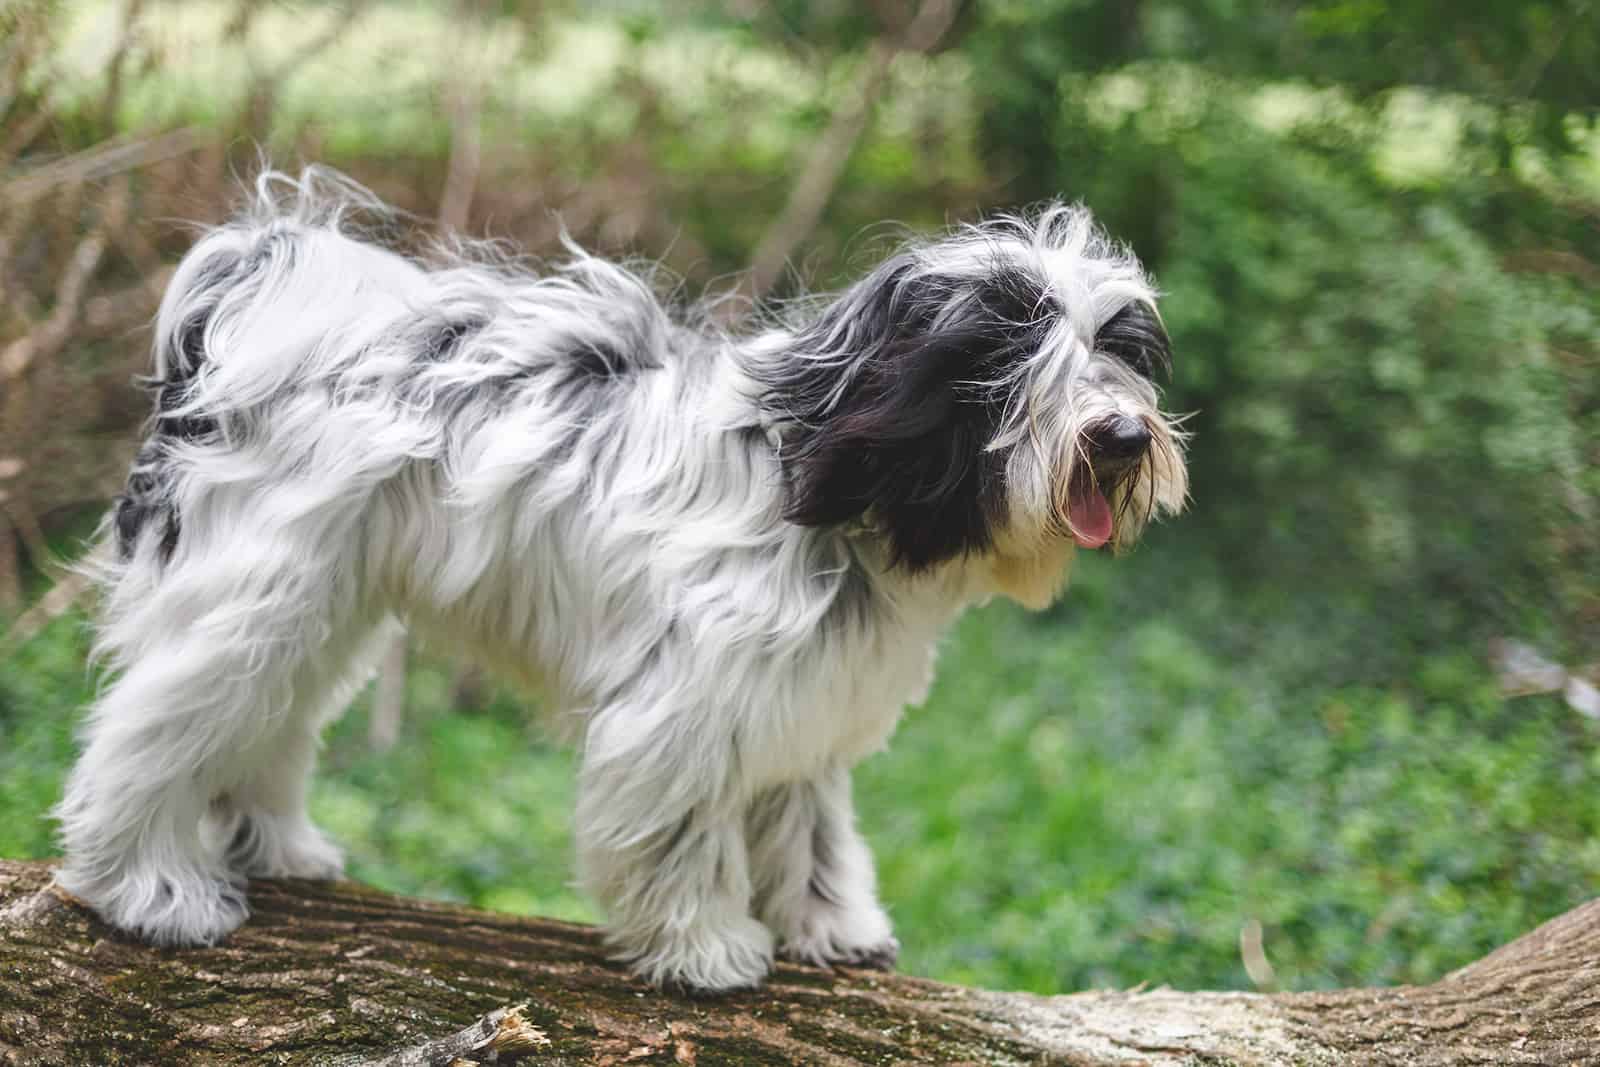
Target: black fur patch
[
  {"x": 146, "y": 498},
  {"x": 929, "y": 361},
  {"x": 176, "y": 424},
  {"x": 1136, "y": 337},
  {"x": 139, "y": 503},
  {"x": 597, "y": 359}
]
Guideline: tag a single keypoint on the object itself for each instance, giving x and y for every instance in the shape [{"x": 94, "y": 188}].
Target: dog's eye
[{"x": 1135, "y": 336}]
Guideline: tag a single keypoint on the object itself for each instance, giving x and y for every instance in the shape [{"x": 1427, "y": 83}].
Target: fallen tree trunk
[{"x": 347, "y": 975}]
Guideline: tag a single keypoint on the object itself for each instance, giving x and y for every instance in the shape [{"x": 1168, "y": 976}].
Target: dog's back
[{"x": 291, "y": 340}]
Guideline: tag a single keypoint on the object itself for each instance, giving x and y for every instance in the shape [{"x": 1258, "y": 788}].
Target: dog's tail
[{"x": 252, "y": 304}]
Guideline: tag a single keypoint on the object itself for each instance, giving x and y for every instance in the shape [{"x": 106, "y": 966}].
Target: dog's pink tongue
[{"x": 1091, "y": 517}]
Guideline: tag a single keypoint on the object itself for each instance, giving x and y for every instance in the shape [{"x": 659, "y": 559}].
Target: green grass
[
  {"x": 1107, "y": 796},
  {"x": 1098, "y": 796}
]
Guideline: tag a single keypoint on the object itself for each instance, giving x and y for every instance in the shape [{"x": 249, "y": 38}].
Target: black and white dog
[{"x": 726, "y": 559}]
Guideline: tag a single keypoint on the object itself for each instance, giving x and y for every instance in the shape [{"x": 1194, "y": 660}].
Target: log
[{"x": 344, "y": 974}]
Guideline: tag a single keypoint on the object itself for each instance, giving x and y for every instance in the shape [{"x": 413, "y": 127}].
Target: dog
[{"x": 725, "y": 557}]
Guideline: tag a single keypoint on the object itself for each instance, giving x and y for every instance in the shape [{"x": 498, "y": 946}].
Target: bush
[{"x": 1384, "y": 413}]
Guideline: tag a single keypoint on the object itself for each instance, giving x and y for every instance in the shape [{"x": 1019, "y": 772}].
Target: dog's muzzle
[{"x": 1115, "y": 447}]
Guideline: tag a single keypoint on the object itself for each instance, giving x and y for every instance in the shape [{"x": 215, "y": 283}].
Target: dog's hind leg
[
  {"x": 210, "y": 651},
  {"x": 814, "y": 880},
  {"x": 262, "y": 822}
]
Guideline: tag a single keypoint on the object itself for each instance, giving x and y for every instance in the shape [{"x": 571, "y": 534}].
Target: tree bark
[{"x": 347, "y": 975}]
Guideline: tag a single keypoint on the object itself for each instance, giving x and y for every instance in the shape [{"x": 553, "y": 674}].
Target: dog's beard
[
  {"x": 1112, "y": 504},
  {"x": 1093, "y": 506},
  {"x": 1157, "y": 485},
  {"x": 1104, "y": 501}
]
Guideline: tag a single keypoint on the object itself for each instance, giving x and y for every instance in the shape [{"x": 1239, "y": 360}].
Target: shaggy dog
[{"x": 726, "y": 558}]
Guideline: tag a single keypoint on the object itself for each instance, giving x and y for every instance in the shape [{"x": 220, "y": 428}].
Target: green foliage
[
  {"x": 1137, "y": 792},
  {"x": 43, "y": 688},
  {"x": 473, "y": 806},
  {"x": 1534, "y": 65},
  {"x": 1378, "y": 397},
  {"x": 1376, "y": 393},
  {"x": 1387, "y": 396}
]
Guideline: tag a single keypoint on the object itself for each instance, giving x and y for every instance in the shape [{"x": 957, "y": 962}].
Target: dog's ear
[{"x": 893, "y": 396}]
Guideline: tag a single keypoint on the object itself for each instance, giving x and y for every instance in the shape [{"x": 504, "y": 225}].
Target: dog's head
[{"x": 991, "y": 394}]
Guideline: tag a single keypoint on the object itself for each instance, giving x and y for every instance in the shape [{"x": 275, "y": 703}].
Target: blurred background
[{"x": 1335, "y": 725}]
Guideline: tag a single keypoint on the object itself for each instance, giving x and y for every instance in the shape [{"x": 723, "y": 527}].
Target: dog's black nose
[{"x": 1119, "y": 438}]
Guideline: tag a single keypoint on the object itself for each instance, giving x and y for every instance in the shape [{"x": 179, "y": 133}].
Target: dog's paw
[
  {"x": 879, "y": 957},
  {"x": 831, "y": 936},
  {"x": 708, "y": 960},
  {"x": 266, "y": 846},
  {"x": 194, "y": 911},
  {"x": 319, "y": 860}
]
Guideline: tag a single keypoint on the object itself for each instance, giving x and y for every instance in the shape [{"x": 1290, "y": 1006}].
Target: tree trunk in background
[{"x": 347, "y": 975}]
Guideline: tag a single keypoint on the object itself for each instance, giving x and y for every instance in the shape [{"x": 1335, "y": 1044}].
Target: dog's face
[{"x": 991, "y": 395}]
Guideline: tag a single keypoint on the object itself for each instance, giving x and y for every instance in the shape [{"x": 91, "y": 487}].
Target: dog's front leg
[
  {"x": 813, "y": 873},
  {"x": 661, "y": 846}
]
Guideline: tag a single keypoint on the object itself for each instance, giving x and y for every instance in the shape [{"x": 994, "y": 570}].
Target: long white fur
[{"x": 617, "y": 541}]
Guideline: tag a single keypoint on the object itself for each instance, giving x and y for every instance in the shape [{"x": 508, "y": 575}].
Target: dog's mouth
[
  {"x": 1089, "y": 513},
  {"x": 1117, "y": 459},
  {"x": 1095, "y": 500}
]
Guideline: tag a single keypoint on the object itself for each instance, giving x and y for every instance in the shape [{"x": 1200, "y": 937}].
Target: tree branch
[
  {"x": 466, "y": 105},
  {"x": 832, "y": 150},
  {"x": 105, "y": 159},
  {"x": 57, "y": 602},
  {"x": 349, "y": 975}
]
